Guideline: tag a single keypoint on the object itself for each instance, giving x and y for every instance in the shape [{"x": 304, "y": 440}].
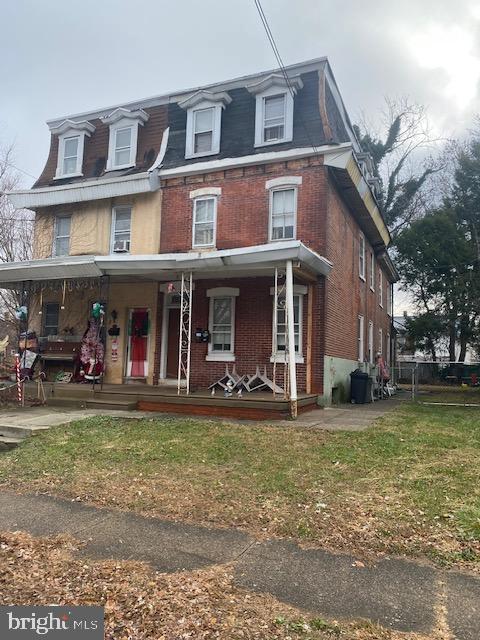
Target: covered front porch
[{"x": 196, "y": 319}]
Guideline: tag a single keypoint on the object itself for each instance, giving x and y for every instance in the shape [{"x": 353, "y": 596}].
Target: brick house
[{"x": 233, "y": 225}]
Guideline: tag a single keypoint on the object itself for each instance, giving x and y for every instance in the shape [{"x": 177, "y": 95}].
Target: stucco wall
[
  {"x": 336, "y": 374},
  {"x": 91, "y": 226}
]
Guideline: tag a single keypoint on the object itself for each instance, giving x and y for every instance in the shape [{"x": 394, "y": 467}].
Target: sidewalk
[{"x": 397, "y": 593}]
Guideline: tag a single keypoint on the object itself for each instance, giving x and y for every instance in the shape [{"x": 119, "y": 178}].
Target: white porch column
[
  {"x": 291, "y": 339},
  {"x": 185, "y": 334}
]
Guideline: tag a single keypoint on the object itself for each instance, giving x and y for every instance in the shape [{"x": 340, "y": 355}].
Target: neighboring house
[{"x": 232, "y": 183}]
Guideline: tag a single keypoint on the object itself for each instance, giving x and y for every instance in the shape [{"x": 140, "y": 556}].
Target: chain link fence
[{"x": 442, "y": 383}]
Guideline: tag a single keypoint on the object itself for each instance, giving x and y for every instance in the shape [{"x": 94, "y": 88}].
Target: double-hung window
[
  {"x": 274, "y": 115},
  {"x": 380, "y": 288},
  {"x": 282, "y": 337},
  {"x": 70, "y": 155},
  {"x": 221, "y": 324},
  {"x": 380, "y": 342},
  {"x": 61, "y": 242},
  {"x": 123, "y": 147},
  {"x": 372, "y": 271},
  {"x": 361, "y": 343},
  {"x": 370, "y": 342},
  {"x": 203, "y": 128},
  {"x": 283, "y": 213},
  {"x": 361, "y": 256},
  {"x": 204, "y": 221},
  {"x": 121, "y": 229},
  {"x": 51, "y": 312}
]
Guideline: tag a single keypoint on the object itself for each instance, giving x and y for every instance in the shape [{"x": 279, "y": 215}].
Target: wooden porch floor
[{"x": 164, "y": 399}]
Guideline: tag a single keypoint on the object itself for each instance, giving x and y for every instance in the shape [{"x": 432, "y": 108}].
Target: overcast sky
[{"x": 61, "y": 57}]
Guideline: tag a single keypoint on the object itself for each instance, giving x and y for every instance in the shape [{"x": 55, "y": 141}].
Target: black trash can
[{"x": 360, "y": 387}]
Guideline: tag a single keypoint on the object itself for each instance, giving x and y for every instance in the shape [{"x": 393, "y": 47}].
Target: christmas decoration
[{"x": 21, "y": 313}]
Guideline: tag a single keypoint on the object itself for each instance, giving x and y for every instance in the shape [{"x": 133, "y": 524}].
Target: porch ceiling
[{"x": 246, "y": 261}]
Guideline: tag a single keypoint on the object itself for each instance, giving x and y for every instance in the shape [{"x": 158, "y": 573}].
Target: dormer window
[
  {"x": 71, "y": 142},
  {"x": 274, "y": 108},
  {"x": 122, "y": 146},
  {"x": 204, "y": 122}
]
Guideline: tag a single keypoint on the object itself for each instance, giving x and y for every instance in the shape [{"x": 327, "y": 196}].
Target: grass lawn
[{"x": 407, "y": 485}]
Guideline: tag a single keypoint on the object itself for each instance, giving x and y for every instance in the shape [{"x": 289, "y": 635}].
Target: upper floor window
[
  {"x": 372, "y": 271},
  {"x": 380, "y": 288},
  {"x": 361, "y": 256},
  {"x": 274, "y": 108},
  {"x": 61, "y": 242},
  {"x": 380, "y": 342},
  {"x": 370, "y": 342},
  {"x": 121, "y": 228},
  {"x": 71, "y": 143},
  {"x": 204, "y": 221},
  {"x": 123, "y": 138},
  {"x": 283, "y": 207},
  {"x": 204, "y": 122}
]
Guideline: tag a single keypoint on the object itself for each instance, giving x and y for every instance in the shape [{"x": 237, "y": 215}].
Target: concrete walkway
[{"x": 397, "y": 593}]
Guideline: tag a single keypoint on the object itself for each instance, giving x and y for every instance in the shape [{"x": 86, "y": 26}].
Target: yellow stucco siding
[
  {"x": 121, "y": 297},
  {"x": 91, "y": 223}
]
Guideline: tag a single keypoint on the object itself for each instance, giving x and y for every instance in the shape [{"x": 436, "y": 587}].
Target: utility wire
[
  {"x": 278, "y": 57},
  {"x": 9, "y": 164}
]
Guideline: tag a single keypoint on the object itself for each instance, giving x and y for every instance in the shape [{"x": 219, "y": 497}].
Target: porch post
[
  {"x": 185, "y": 334},
  {"x": 291, "y": 339}
]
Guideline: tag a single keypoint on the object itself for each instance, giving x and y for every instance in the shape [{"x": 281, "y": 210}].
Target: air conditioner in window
[{"x": 121, "y": 246}]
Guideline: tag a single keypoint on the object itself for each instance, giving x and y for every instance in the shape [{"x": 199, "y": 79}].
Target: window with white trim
[
  {"x": 361, "y": 339},
  {"x": 121, "y": 229},
  {"x": 280, "y": 340},
  {"x": 361, "y": 256},
  {"x": 122, "y": 147},
  {"x": 203, "y": 129},
  {"x": 71, "y": 143},
  {"x": 283, "y": 213},
  {"x": 70, "y": 155},
  {"x": 388, "y": 347},
  {"x": 372, "y": 271},
  {"x": 380, "y": 342},
  {"x": 380, "y": 288},
  {"x": 61, "y": 241},
  {"x": 389, "y": 298},
  {"x": 274, "y": 116},
  {"x": 370, "y": 342},
  {"x": 204, "y": 222},
  {"x": 221, "y": 323},
  {"x": 123, "y": 137}
]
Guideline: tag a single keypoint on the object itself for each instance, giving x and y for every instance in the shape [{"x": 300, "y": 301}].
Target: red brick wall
[
  {"x": 253, "y": 333},
  {"x": 243, "y": 206},
  {"x": 347, "y": 295}
]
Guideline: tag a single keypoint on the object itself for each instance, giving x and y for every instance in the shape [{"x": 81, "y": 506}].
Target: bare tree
[
  {"x": 404, "y": 152},
  {"x": 16, "y": 233}
]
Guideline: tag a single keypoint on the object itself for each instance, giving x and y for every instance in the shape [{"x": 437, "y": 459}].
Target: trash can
[{"x": 360, "y": 387}]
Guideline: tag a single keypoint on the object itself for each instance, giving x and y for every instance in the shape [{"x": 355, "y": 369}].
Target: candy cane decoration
[{"x": 19, "y": 383}]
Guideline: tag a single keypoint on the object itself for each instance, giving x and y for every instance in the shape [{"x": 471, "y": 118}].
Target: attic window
[
  {"x": 71, "y": 142},
  {"x": 204, "y": 122},
  {"x": 122, "y": 146},
  {"x": 274, "y": 108}
]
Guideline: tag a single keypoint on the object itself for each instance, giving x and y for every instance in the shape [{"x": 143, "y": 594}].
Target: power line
[
  {"x": 278, "y": 57},
  {"x": 10, "y": 164}
]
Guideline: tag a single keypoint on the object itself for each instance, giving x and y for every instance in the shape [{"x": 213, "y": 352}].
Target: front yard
[{"x": 407, "y": 485}]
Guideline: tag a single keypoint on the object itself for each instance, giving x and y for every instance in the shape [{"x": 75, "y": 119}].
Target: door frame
[
  {"x": 128, "y": 344},
  {"x": 168, "y": 304}
]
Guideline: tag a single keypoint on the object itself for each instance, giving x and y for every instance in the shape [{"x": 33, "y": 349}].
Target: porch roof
[{"x": 247, "y": 261}]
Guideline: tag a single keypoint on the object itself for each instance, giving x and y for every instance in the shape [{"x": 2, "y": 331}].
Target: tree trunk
[{"x": 452, "y": 335}]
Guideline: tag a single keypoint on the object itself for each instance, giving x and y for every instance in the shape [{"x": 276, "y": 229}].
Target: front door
[
  {"x": 172, "y": 343},
  {"x": 137, "y": 347}
]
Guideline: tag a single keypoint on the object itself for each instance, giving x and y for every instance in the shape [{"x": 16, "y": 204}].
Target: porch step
[
  {"x": 7, "y": 443},
  {"x": 119, "y": 405},
  {"x": 74, "y": 403},
  {"x": 12, "y": 431}
]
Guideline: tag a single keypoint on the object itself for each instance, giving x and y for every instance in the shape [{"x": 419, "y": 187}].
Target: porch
[
  {"x": 190, "y": 319},
  {"x": 165, "y": 399}
]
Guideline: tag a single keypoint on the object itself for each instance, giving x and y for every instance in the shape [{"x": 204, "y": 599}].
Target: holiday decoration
[
  {"x": 114, "y": 350},
  {"x": 92, "y": 351},
  {"x": 21, "y": 313},
  {"x": 98, "y": 311}
]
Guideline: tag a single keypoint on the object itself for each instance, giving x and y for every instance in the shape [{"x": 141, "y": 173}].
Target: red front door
[{"x": 137, "y": 364}]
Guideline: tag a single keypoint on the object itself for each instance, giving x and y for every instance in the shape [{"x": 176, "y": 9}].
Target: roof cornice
[
  {"x": 70, "y": 125},
  {"x": 219, "y": 97},
  {"x": 276, "y": 80}
]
